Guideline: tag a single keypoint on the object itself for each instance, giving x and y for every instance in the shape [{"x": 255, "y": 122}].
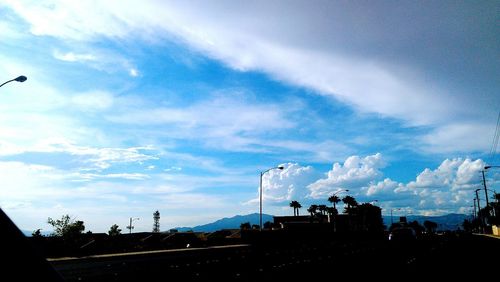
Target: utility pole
[
  {"x": 130, "y": 227},
  {"x": 479, "y": 215},
  {"x": 485, "y": 192},
  {"x": 475, "y": 214}
]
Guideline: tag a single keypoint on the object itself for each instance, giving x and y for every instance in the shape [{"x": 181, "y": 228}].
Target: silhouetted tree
[
  {"x": 367, "y": 216},
  {"x": 114, "y": 230},
  {"x": 331, "y": 211},
  {"x": 255, "y": 226},
  {"x": 37, "y": 233},
  {"x": 313, "y": 209},
  {"x": 156, "y": 222},
  {"x": 496, "y": 210},
  {"x": 467, "y": 225},
  {"x": 268, "y": 225},
  {"x": 350, "y": 202},
  {"x": 430, "y": 226},
  {"x": 296, "y": 206},
  {"x": 245, "y": 226},
  {"x": 334, "y": 200},
  {"x": 417, "y": 227},
  {"x": 66, "y": 227},
  {"x": 322, "y": 209}
]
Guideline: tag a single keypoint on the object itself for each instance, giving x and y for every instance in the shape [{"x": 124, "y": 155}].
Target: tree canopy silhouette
[
  {"x": 334, "y": 200},
  {"x": 350, "y": 202},
  {"x": 114, "y": 230},
  {"x": 67, "y": 227},
  {"x": 430, "y": 226},
  {"x": 245, "y": 226},
  {"x": 296, "y": 206}
]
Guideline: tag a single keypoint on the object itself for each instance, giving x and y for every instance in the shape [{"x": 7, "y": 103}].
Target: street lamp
[
  {"x": 21, "y": 78},
  {"x": 130, "y": 227},
  {"x": 345, "y": 190},
  {"x": 260, "y": 194}
]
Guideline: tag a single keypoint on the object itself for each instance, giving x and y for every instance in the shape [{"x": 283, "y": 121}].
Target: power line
[{"x": 494, "y": 144}]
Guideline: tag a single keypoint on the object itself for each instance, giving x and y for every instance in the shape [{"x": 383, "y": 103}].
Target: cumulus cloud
[
  {"x": 454, "y": 174},
  {"x": 385, "y": 188},
  {"x": 448, "y": 188},
  {"x": 356, "y": 172},
  {"x": 280, "y": 186}
]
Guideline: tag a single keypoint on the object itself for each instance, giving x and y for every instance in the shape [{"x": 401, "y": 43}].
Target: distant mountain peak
[{"x": 233, "y": 222}]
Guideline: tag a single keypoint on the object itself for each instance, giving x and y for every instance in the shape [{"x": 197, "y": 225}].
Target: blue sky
[{"x": 173, "y": 106}]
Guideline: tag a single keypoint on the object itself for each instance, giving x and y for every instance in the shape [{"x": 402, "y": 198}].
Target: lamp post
[
  {"x": 21, "y": 78},
  {"x": 340, "y": 191},
  {"x": 130, "y": 227},
  {"x": 260, "y": 194}
]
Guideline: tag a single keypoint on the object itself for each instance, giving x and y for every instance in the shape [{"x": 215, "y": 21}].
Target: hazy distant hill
[
  {"x": 445, "y": 222},
  {"x": 228, "y": 223},
  {"x": 450, "y": 221},
  {"x": 28, "y": 233}
]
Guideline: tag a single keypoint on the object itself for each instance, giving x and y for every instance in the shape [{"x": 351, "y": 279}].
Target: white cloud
[
  {"x": 336, "y": 64},
  {"x": 448, "y": 188},
  {"x": 383, "y": 188},
  {"x": 173, "y": 168},
  {"x": 280, "y": 186},
  {"x": 93, "y": 101},
  {"x": 354, "y": 174},
  {"x": 72, "y": 57},
  {"x": 133, "y": 72},
  {"x": 221, "y": 123},
  {"x": 454, "y": 174},
  {"x": 128, "y": 176},
  {"x": 459, "y": 136}
]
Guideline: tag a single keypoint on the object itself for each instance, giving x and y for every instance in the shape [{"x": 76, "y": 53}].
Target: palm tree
[
  {"x": 334, "y": 199},
  {"x": 245, "y": 225},
  {"x": 349, "y": 201},
  {"x": 296, "y": 206},
  {"x": 322, "y": 209},
  {"x": 312, "y": 209},
  {"x": 331, "y": 211}
]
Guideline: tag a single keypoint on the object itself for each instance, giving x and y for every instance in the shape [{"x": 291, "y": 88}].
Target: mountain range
[
  {"x": 452, "y": 221},
  {"x": 228, "y": 223},
  {"x": 444, "y": 222}
]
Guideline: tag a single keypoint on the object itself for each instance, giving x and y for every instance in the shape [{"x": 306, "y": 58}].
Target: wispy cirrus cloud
[{"x": 333, "y": 64}]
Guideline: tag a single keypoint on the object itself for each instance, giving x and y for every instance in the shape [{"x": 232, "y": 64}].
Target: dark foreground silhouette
[
  {"x": 265, "y": 256},
  {"x": 351, "y": 256}
]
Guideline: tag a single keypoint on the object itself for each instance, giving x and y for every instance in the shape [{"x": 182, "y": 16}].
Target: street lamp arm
[
  {"x": 278, "y": 167},
  {"x": 20, "y": 78},
  {"x": 345, "y": 190},
  {"x": 490, "y": 166}
]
